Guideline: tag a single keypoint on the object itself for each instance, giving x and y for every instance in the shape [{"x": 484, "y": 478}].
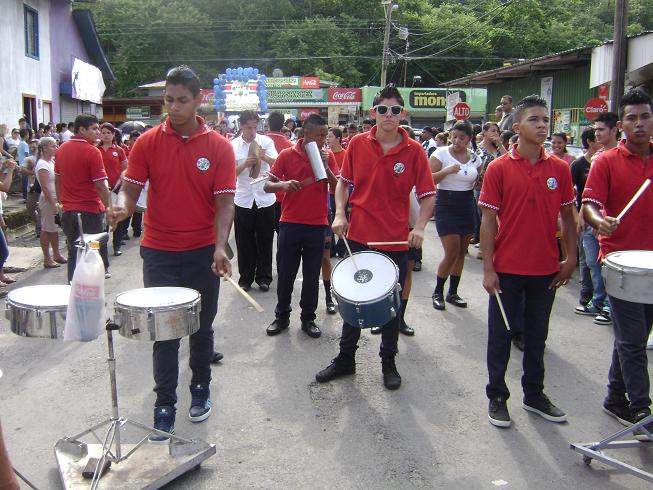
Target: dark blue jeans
[
  {"x": 390, "y": 331},
  {"x": 531, "y": 297},
  {"x": 91, "y": 223},
  {"x": 299, "y": 242},
  {"x": 189, "y": 269},
  {"x": 4, "y": 249},
  {"x": 629, "y": 369}
]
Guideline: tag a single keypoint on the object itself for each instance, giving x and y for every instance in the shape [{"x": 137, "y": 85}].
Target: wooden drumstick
[
  {"x": 349, "y": 250},
  {"x": 251, "y": 300},
  {"x": 641, "y": 190},
  {"x": 376, "y": 244},
  {"x": 503, "y": 312}
]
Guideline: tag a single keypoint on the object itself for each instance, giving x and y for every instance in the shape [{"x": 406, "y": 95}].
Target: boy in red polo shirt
[
  {"x": 523, "y": 193},
  {"x": 190, "y": 209},
  {"x": 302, "y": 224},
  {"x": 614, "y": 178},
  {"x": 384, "y": 165}
]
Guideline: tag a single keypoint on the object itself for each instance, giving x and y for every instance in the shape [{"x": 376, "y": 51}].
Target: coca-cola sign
[
  {"x": 344, "y": 95},
  {"x": 309, "y": 82}
]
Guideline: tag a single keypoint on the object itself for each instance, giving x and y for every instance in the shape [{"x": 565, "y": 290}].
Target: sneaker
[
  {"x": 645, "y": 433},
  {"x": 543, "y": 407},
  {"x": 589, "y": 310},
  {"x": 604, "y": 318},
  {"x": 620, "y": 411},
  {"x": 339, "y": 367},
  {"x": 200, "y": 404},
  {"x": 649, "y": 343},
  {"x": 497, "y": 412},
  {"x": 418, "y": 266},
  {"x": 107, "y": 274},
  {"x": 391, "y": 378},
  {"x": 376, "y": 330},
  {"x": 164, "y": 420}
]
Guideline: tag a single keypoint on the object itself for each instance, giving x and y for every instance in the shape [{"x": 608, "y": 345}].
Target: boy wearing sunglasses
[{"x": 384, "y": 165}]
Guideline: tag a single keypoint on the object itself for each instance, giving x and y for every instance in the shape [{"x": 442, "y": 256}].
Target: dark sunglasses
[{"x": 383, "y": 109}]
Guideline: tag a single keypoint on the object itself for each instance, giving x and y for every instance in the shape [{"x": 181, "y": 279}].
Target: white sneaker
[{"x": 649, "y": 344}]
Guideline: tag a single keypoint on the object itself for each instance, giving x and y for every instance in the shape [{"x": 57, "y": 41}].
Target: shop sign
[
  {"x": 137, "y": 112},
  {"x": 304, "y": 113},
  {"x": 282, "y": 82},
  {"x": 594, "y": 107},
  {"x": 428, "y": 99},
  {"x": 285, "y": 96},
  {"x": 309, "y": 82},
  {"x": 345, "y": 96}
]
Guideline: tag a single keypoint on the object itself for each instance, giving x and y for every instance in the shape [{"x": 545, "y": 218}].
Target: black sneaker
[
  {"x": 391, "y": 378},
  {"x": 418, "y": 266},
  {"x": 200, "y": 404},
  {"x": 645, "y": 433},
  {"x": 164, "y": 420},
  {"x": 376, "y": 330},
  {"x": 339, "y": 367},
  {"x": 620, "y": 411},
  {"x": 497, "y": 412},
  {"x": 544, "y": 408}
]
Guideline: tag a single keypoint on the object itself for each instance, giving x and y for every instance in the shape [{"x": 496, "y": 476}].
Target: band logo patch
[
  {"x": 203, "y": 164},
  {"x": 115, "y": 153},
  {"x": 399, "y": 168},
  {"x": 552, "y": 183}
]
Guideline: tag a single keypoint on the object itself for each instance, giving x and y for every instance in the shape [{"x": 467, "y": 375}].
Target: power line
[{"x": 292, "y": 58}]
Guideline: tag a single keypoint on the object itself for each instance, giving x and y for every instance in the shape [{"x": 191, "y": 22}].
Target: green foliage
[{"x": 341, "y": 40}]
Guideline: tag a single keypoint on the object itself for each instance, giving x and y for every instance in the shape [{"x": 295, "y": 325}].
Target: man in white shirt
[
  {"x": 254, "y": 218},
  {"x": 65, "y": 133},
  {"x": 14, "y": 139}
]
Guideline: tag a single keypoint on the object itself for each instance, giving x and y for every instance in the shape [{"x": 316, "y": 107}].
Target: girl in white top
[{"x": 455, "y": 169}]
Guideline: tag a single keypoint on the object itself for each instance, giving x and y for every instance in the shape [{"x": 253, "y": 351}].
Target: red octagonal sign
[
  {"x": 594, "y": 107},
  {"x": 461, "y": 111}
]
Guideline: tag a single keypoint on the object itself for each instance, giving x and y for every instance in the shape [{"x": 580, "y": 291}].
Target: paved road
[{"x": 274, "y": 427}]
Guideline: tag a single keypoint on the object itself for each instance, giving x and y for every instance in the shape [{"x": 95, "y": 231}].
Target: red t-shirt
[
  {"x": 380, "y": 202},
  {"x": 280, "y": 143},
  {"x": 79, "y": 165},
  {"x": 308, "y": 205},
  {"x": 615, "y": 176},
  {"x": 113, "y": 158},
  {"x": 527, "y": 199},
  {"x": 185, "y": 175}
]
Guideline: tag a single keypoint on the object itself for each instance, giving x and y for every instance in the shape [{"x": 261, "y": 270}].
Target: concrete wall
[{"x": 19, "y": 74}]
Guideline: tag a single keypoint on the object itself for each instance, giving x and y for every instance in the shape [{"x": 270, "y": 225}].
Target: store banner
[
  {"x": 309, "y": 82},
  {"x": 284, "y": 96},
  {"x": 283, "y": 82},
  {"x": 304, "y": 113},
  {"x": 343, "y": 95}
]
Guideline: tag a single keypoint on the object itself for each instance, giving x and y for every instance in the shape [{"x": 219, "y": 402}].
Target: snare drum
[
  {"x": 369, "y": 297},
  {"x": 38, "y": 311},
  {"x": 162, "y": 313},
  {"x": 628, "y": 275}
]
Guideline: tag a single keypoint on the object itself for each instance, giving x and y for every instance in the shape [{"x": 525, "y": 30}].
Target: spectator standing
[
  {"x": 559, "y": 147},
  {"x": 7, "y": 174},
  {"x": 23, "y": 153},
  {"x": 281, "y": 141},
  {"x": 506, "y": 117}
]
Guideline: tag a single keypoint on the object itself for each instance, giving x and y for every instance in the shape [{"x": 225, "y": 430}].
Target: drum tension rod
[{"x": 110, "y": 325}]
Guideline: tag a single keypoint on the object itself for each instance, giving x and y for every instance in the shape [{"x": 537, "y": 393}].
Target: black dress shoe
[
  {"x": 438, "y": 301},
  {"x": 126, "y": 237},
  {"x": 264, "y": 286},
  {"x": 137, "y": 234},
  {"x": 376, "y": 330},
  {"x": 406, "y": 330},
  {"x": 117, "y": 252},
  {"x": 391, "y": 378},
  {"x": 331, "y": 308},
  {"x": 216, "y": 357},
  {"x": 245, "y": 287},
  {"x": 278, "y": 326},
  {"x": 418, "y": 266},
  {"x": 311, "y": 329},
  {"x": 338, "y": 367},
  {"x": 456, "y": 300}
]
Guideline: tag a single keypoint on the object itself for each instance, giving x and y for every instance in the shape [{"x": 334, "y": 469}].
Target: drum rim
[
  {"x": 175, "y": 306},
  {"x": 12, "y": 302},
  {"x": 370, "y": 301},
  {"x": 611, "y": 264}
]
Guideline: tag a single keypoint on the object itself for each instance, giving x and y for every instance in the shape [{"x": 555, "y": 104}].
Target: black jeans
[
  {"x": 629, "y": 369},
  {"x": 189, "y": 269},
  {"x": 137, "y": 223},
  {"x": 299, "y": 242},
  {"x": 91, "y": 223},
  {"x": 254, "y": 232},
  {"x": 119, "y": 233},
  {"x": 531, "y": 297},
  {"x": 390, "y": 331}
]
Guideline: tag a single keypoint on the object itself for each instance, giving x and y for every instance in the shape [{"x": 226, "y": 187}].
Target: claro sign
[{"x": 343, "y": 95}]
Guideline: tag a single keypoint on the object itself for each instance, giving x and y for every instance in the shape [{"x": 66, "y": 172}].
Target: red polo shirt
[
  {"x": 280, "y": 143},
  {"x": 308, "y": 205},
  {"x": 380, "y": 202},
  {"x": 79, "y": 165},
  {"x": 527, "y": 199},
  {"x": 615, "y": 176},
  {"x": 185, "y": 175},
  {"x": 113, "y": 158}
]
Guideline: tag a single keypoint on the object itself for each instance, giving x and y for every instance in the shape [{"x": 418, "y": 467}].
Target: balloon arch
[{"x": 240, "y": 89}]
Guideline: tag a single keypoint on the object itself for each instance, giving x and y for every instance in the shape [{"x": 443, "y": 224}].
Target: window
[{"x": 31, "y": 32}]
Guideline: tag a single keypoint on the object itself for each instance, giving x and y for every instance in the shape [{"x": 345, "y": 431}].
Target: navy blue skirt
[{"x": 454, "y": 212}]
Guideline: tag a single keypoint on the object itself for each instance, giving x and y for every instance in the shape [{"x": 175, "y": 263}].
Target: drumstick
[
  {"x": 260, "y": 179},
  {"x": 251, "y": 300},
  {"x": 374, "y": 244},
  {"x": 349, "y": 250},
  {"x": 503, "y": 312},
  {"x": 641, "y": 190}
]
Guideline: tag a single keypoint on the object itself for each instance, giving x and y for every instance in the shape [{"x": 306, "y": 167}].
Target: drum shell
[
  {"x": 372, "y": 313},
  {"x": 627, "y": 283},
  {"x": 160, "y": 322},
  {"x": 35, "y": 321}
]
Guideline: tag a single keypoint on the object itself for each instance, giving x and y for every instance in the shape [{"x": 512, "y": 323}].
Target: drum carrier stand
[{"x": 142, "y": 465}]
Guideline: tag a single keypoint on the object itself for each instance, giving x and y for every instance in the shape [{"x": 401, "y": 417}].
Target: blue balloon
[
  {"x": 216, "y": 81},
  {"x": 263, "y": 77},
  {"x": 239, "y": 71},
  {"x": 229, "y": 72},
  {"x": 255, "y": 72},
  {"x": 248, "y": 72}
]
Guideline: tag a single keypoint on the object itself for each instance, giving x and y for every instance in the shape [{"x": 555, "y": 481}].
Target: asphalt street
[{"x": 275, "y": 427}]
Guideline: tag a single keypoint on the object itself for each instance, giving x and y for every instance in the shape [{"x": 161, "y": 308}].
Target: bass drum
[{"x": 628, "y": 275}]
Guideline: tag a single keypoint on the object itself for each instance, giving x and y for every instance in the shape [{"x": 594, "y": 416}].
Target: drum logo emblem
[
  {"x": 363, "y": 276},
  {"x": 203, "y": 164},
  {"x": 399, "y": 168},
  {"x": 552, "y": 183}
]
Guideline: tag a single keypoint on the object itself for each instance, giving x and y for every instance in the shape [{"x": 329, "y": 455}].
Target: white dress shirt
[{"x": 246, "y": 193}]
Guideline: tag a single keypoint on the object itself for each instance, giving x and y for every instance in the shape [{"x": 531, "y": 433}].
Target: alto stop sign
[
  {"x": 594, "y": 107},
  {"x": 461, "y": 111}
]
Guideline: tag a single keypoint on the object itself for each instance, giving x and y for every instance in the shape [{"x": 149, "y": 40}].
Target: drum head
[
  {"x": 377, "y": 277},
  {"x": 45, "y": 296},
  {"x": 635, "y": 259},
  {"x": 157, "y": 297}
]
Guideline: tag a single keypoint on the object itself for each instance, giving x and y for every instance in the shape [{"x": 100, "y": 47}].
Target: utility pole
[
  {"x": 388, "y": 5},
  {"x": 619, "y": 53}
]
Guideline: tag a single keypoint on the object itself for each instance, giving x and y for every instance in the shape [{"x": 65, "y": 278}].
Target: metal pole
[
  {"x": 386, "y": 42},
  {"x": 619, "y": 53},
  {"x": 406, "y": 63},
  {"x": 111, "y": 361}
]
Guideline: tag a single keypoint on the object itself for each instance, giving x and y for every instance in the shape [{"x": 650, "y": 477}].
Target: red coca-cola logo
[
  {"x": 309, "y": 82},
  {"x": 346, "y": 95}
]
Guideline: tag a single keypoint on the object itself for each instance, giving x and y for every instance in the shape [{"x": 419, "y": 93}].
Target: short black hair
[
  {"x": 247, "y": 116},
  {"x": 587, "y": 137},
  {"x": 275, "y": 121},
  {"x": 185, "y": 76},
  {"x": 337, "y": 133},
  {"x": 634, "y": 97},
  {"x": 289, "y": 121},
  {"x": 22, "y": 119},
  {"x": 369, "y": 121},
  {"x": 388, "y": 92},
  {"x": 314, "y": 120},
  {"x": 608, "y": 118},
  {"x": 527, "y": 103},
  {"x": 84, "y": 121},
  {"x": 505, "y": 137},
  {"x": 428, "y": 129},
  {"x": 352, "y": 126},
  {"x": 507, "y": 97},
  {"x": 23, "y": 132}
]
